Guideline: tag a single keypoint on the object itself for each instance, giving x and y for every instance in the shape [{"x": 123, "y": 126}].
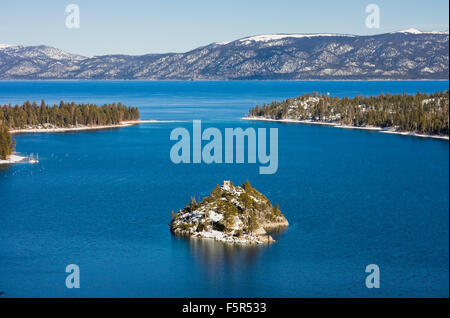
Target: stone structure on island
[{"x": 231, "y": 214}]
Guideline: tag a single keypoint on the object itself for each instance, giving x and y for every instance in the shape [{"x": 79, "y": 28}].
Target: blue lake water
[{"x": 102, "y": 200}]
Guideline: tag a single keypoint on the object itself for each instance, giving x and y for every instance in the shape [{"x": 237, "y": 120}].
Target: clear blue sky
[{"x": 154, "y": 26}]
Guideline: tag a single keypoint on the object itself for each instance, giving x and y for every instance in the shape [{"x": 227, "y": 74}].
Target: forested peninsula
[
  {"x": 421, "y": 114},
  {"x": 65, "y": 115},
  {"x": 31, "y": 117}
]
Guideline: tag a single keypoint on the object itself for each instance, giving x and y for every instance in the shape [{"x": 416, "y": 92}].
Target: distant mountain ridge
[{"x": 408, "y": 54}]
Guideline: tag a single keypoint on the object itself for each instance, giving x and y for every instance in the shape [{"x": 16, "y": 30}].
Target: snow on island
[{"x": 230, "y": 214}]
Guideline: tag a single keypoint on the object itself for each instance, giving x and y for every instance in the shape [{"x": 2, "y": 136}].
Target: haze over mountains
[{"x": 408, "y": 54}]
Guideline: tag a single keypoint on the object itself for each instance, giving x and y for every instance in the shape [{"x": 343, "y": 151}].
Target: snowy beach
[
  {"x": 12, "y": 159},
  {"x": 337, "y": 125},
  {"x": 83, "y": 127}
]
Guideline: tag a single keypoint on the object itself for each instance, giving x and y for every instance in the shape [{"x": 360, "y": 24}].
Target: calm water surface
[{"x": 102, "y": 200}]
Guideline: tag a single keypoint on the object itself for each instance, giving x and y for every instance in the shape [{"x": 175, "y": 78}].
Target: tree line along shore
[
  {"x": 421, "y": 113},
  {"x": 7, "y": 144},
  {"x": 65, "y": 115}
]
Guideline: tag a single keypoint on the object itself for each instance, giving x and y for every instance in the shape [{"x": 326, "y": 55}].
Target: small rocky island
[{"x": 231, "y": 214}]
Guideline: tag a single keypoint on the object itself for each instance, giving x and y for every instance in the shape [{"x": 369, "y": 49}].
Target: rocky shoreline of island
[{"x": 387, "y": 130}]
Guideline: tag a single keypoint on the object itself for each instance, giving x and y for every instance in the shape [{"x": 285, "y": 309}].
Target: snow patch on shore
[
  {"x": 245, "y": 239},
  {"x": 82, "y": 127},
  {"x": 12, "y": 159}
]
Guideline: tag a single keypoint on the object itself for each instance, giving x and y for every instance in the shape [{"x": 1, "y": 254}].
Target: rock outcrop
[{"x": 231, "y": 214}]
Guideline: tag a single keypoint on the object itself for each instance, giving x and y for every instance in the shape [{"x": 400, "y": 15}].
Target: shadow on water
[
  {"x": 5, "y": 167},
  {"x": 215, "y": 254},
  {"x": 277, "y": 232}
]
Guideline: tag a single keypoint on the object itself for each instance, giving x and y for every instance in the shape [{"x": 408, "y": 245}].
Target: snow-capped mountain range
[{"x": 407, "y": 54}]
